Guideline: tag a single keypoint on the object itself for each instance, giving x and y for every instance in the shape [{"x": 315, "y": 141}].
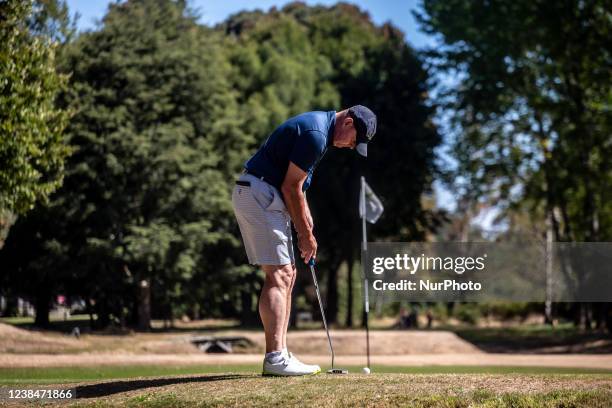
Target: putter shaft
[{"x": 314, "y": 278}]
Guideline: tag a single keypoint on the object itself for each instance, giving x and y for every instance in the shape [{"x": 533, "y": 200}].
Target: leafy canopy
[{"x": 32, "y": 148}]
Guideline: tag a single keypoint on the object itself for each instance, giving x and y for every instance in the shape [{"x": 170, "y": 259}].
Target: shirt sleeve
[{"x": 308, "y": 149}]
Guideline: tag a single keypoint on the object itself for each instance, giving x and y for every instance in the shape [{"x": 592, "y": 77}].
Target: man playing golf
[{"x": 269, "y": 196}]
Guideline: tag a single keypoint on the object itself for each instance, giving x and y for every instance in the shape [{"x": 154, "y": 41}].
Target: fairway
[
  {"x": 388, "y": 386},
  {"x": 57, "y": 375}
]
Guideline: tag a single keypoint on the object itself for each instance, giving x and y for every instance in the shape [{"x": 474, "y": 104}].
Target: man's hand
[
  {"x": 298, "y": 209},
  {"x": 308, "y": 247}
]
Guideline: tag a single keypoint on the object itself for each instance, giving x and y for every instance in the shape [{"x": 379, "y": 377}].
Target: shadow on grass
[
  {"x": 116, "y": 387},
  {"x": 539, "y": 341}
]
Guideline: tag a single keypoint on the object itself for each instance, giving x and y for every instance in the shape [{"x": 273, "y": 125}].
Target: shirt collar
[{"x": 330, "y": 131}]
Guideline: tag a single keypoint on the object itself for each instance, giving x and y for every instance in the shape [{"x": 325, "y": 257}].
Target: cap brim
[{"x": 362, "y": 149}]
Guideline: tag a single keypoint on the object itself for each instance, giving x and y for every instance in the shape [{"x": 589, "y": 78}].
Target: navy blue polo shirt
[{"x": 303, "y": 140}]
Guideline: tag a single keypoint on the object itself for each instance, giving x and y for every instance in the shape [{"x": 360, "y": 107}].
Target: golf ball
[{"x": 366, "y": 370}]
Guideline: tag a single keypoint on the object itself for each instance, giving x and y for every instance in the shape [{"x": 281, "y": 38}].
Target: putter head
[{"x": 337, "y": 371}]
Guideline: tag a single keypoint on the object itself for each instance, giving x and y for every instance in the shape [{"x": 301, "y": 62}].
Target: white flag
[{"x": 372, "y": 206}]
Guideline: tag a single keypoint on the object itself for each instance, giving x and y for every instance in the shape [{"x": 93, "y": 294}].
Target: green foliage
[
  {"x": 322, "y": 58},
  {"x": 32, "y": 148},
  {"x": 277, "y": 70},
  {"x": 531, "y": 106},
  {"x": 155, "y": 124},
  {"x": 468, "y": 312},
  {"x": 167, "y": 112},
  {"x": 472, "y": 312}
]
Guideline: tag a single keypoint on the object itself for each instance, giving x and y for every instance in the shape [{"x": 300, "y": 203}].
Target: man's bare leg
[
  {"x": 288, "y": 312},
  {"x": 273, "y": 304}
]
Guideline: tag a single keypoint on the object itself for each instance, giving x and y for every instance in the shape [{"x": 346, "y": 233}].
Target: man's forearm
[
  {"x": 298, "y": 209},
  {"x": 308, "y": 214}
]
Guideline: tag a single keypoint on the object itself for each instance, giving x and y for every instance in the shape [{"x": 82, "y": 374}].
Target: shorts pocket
[
  {"x": 263, "y": 194},
  {"x": 277, "y": 203}
]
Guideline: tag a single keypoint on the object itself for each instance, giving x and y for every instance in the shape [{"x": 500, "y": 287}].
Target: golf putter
[{"x": 333, "y": 370}]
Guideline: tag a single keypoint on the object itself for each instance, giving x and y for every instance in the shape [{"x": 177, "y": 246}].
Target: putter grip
[{"x": 311, "y": 262}]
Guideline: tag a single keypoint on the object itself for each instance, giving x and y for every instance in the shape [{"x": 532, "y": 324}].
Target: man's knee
[{"x": 281, "y": 276}]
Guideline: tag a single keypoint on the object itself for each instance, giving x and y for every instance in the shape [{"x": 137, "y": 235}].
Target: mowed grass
[
  {"x": 243, "y": 387},
  {"x": 347, "y": 397},
  {"x": 388, "y": 386},
  {"x": 58, "y": 375}
]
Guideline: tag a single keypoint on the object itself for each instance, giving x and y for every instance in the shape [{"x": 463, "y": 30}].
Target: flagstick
[{"x": 364, "y": 247}]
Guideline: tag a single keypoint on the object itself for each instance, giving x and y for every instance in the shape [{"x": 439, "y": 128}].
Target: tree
[
  {"x": 32, "y": 148},
  {"x": 152, "y": 132},
  {"x": 302, "y": 58},
  {"x": 168, "y": 111},
  {"x": 145, "y": 201},
  {"x": 531, "y": 106}
]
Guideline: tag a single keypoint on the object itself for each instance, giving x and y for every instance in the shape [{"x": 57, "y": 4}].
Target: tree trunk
[
  {"x": 248, "y": 317},
  {"x": 548, "y": 316},
  {"x": 349, "y": 309},
  {"x": 331, "y": 311},
  {"x": 293, "y": 312},
  {"x": 103, "y": 315},
  {"x": 582, "y": 318},
  {"x": 43, "y": 306},
  {"x": 195, "y": 311},
  {"x": 144, "y": 305},
  {"x": 92, "y": 324},
  {"x": 600, "y": 310},
  {"x": 588, "y": 316},
  {"x": 10, "y": 308}
]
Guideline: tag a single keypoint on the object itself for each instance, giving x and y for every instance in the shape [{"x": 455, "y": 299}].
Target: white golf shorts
[{"x": 265, "y": 223}]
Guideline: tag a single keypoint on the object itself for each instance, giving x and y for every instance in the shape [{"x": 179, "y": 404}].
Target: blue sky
[{"x": 398, "y": 12}]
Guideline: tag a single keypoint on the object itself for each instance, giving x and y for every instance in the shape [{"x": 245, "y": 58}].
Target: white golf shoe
[
  {"x": 313, "y": 367},
  {"x": 288, "y": 366}
]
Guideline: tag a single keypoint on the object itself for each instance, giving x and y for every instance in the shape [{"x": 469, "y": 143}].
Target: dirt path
[{"x": 480, "y": 359}]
